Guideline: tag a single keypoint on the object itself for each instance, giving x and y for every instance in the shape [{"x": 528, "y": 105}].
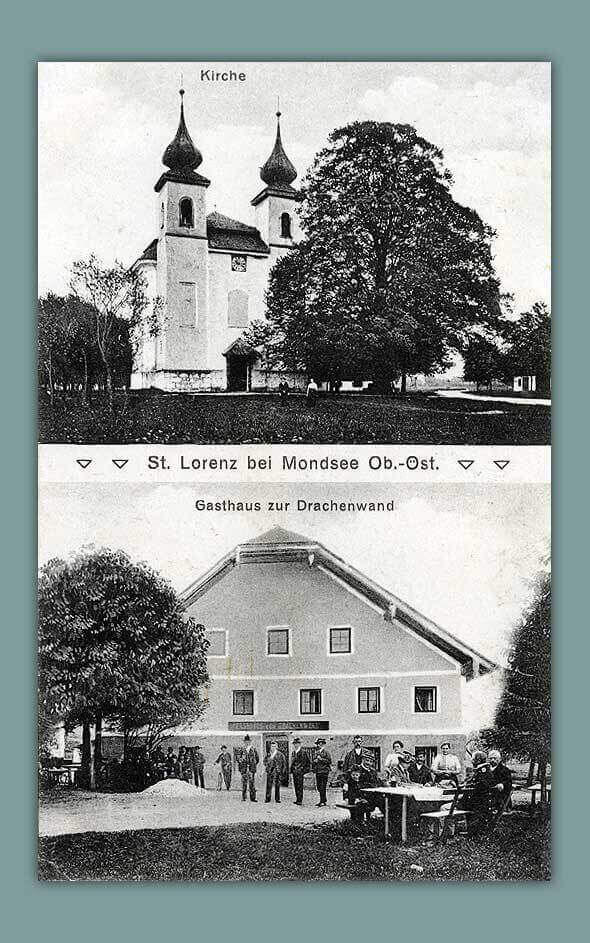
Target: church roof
[
  {"x": 232, "y": 235},
  {"x": 150, "y": 253},
  {"x": 278, "y": 171},
  {"x": 280, "y": 546}
]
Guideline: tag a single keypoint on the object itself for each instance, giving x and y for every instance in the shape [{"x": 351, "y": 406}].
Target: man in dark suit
[
  {"x": 276, "y": 767},
  {"x": 225, "y": 764},
  {"x": 501, "y": 781},
  {"x": 248, "y": 760},
  {"x": 418, "y": 771},
  {"x": 321, "y": 767},
  {"x": 300, "y": 765}
]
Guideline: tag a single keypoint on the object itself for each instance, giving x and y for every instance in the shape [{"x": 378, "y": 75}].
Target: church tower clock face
[{"x": 238, "y": 263}]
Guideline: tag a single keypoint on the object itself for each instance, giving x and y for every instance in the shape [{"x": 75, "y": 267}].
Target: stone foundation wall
[{"x": 213, "y": 381}]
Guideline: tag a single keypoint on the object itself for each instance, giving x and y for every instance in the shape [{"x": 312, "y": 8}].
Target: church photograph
[{"x": 312, "y": 252}]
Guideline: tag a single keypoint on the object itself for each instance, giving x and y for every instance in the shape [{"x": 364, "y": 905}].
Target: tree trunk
[
  {"x": 543, "y": 783},
  {"x": 50, "y": 378},
  {"x": 97, "y": 755},
  {"x": 86, "y": 755},
  {"x": 85, "y": 382},
  {"x": 404, "y": 383},
  {"x": 531, "y": 772},
  {"x": 109, "y": 386}
]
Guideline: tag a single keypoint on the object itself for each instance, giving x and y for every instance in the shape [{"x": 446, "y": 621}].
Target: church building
[
  {"x": 300, "y": 642},
  {"x": 210, "y": 274}
]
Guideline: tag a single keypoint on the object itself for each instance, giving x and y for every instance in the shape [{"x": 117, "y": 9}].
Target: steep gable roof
[{"x": 278, "y": 545}]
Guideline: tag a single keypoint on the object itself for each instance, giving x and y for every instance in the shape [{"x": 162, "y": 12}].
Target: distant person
[
  {"x": 184, "y": 766},
  {"x": 248, "y": 760},
  {"x": 170, "y": 763},
  {"x": 322, "y": 764},
  {"x": 225, "y": 768},
  {"x": 276, "y": 768},
  {"x": 501, "y": 781},
  {"x": 300, "y": 765},
  {"x": 283, "y": 391},
  {"x": 418, "y": 771},
  {"x": 311, "y": 394},
  {"x": 446, "y": 767},
  {"x": 199, "y": 767}
]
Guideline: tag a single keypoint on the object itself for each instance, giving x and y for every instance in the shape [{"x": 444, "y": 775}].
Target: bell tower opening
[
  {"x": 186, "y": 213},
  {"x": 285, "y": 226}
]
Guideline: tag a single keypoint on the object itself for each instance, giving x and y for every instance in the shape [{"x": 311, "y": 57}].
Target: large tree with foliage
[
  {"x": 115, "y": 646},
  {"x": 393, "y": 268},
  {"x": 528, "y": 341},
  {"x": 523, "y": 717},
  {"x": 484, "y": 361}
]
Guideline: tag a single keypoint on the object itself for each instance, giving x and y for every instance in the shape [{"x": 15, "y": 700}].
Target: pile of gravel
[{"x": 174, "y": 788}]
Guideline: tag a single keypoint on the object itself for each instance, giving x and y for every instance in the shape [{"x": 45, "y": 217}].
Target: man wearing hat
[
  {"x": 446, "y": 767},
  {"x": 300, "y": 765},
  {"x": 276, "y": 767},
  {"x": 321, "y": 767},
  {"x": 248, "y": 760},
  {"x": 225, "y": 764}
]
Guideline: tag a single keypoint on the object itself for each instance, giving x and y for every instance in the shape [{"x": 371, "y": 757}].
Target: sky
[{"x": 104, "y": 126}]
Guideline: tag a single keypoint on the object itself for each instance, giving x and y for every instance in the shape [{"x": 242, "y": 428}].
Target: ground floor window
[
  {"x": 243, "y": 702},
  {"x": 310, "y": 701}
]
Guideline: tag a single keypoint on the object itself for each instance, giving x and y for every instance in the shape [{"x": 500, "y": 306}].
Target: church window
[
  {"x": 237, "y": 308},
  {"x": 285, "y": 226},
  {"x": 188, "y": 304},
  {"x": 186, "y": 213}
]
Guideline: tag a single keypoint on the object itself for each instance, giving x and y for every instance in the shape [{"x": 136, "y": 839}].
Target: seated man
[
  {"x": 501, "y": 779},
  {"x": 359, "y": 773},
  {"x": 478, "y": 795},
  {"x": 446, "y": 767},
  {"x": 418, "y": 771}
]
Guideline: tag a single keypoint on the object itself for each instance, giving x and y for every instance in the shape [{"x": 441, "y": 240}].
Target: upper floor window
[
  {"x": 217, "y": 639},
  {"x": 237, "y": 308},
  {"x": 186, "y": 213},
  {"x": 340, "y": 641},
  {"x": 277, "y": 642},
  {"x": 310, "y": 701},
  {"x": 425, "y": 700},
  {"x": 285, "y": 226},
  {"x": 243, "y": 702},
  {"x": 369, "y": 700}
]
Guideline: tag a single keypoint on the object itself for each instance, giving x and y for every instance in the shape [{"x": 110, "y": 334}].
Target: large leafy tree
[
  {"x": 114, "y": 646},
  {"x": 393, "y": 267},
  {"x": 484, "y": 361},
  {"x": 528, "y": 342},
  {"x": 523, "y": 717}
]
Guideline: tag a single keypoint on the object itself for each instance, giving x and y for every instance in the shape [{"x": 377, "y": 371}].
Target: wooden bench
[
  {"x": 356, "y": 810},
  {"x": 445, "y": 816}
]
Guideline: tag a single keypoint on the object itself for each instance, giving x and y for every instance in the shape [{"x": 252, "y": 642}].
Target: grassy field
[
  {"x": 265, "y": 852},
  {"x": 418, "y": 418}
]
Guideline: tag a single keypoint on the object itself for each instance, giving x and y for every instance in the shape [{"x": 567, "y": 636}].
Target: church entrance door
[{"x": 238, "y": 373}]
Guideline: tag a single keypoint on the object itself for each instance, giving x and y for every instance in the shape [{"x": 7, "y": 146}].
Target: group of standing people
[{"x": 275, "y": 765}]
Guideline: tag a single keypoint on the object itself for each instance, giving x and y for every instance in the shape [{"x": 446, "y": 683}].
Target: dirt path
[
  {"x": 79, "y": 811},
  {"x": 520, "y": 401}
]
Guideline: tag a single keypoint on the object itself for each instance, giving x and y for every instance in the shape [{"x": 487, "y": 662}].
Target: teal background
[{"x": 296, "y": 30}]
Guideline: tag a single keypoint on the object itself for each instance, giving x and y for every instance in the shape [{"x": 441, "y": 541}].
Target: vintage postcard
[{"x": 294, "y": 376}]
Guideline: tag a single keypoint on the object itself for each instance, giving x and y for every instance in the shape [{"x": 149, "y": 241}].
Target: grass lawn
[
  {"x": 418, "y": 419},
  {"x": 268, "y": 852}
]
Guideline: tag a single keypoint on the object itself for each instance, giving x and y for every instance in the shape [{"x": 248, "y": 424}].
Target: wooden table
[{"x": 419, "y": 793}]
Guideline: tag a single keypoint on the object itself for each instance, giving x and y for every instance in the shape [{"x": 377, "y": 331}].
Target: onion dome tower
[
  {"x": 182, "y": 156},
  {"x": 278, "y": 171}
]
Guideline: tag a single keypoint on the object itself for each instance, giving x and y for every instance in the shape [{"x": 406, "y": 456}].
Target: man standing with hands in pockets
[
  {"x": 321, "y": 766},
  {"x": 300, "y": 765},
  {"x": 276, "y": 767}
]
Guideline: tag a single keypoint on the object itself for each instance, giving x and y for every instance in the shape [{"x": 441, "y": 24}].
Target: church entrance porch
[{"x": 239, "y": 371}]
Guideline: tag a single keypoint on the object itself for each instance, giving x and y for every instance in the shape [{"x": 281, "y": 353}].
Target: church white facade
[{"x": 210, "y": 273}]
